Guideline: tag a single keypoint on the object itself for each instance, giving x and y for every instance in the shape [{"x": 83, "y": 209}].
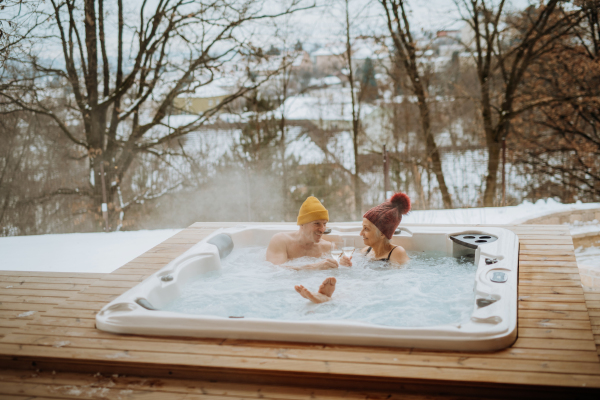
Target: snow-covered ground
[
  {"x": 105, "y": 252},
  {"x": 77, "y": 252},
  {"x": 589, "y": 257},
  {"x": 494, "y": 215}
]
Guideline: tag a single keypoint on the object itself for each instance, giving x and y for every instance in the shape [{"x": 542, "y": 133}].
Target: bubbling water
[{"x": 429, "y": 290}]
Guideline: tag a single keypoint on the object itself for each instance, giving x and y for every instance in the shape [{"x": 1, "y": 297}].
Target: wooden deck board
[
  {"x": 557, "y": 345},
  {"x": 88, "y": 386}
]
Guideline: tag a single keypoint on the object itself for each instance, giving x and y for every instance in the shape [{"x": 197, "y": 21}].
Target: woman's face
[{"x": 370, "y": 233}]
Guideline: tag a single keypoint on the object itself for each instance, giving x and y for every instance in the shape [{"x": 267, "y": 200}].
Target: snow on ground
[
  {"x": 494, "y": 215},
  {"x": 77, "y": 252},
  {"x": 105, "y": 252},
  {"x": 589, "y": 257}
]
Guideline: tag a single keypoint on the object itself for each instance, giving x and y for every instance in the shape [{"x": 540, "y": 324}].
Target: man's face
[{"x": 314, "y": 229}]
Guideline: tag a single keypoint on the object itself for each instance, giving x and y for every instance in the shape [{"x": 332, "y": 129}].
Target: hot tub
[{"x": 492, "y": 324}]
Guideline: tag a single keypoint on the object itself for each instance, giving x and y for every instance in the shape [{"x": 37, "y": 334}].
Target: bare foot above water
[{"x": 323, "y": 295}]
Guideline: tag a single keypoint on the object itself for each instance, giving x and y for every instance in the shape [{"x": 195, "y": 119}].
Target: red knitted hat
[{"x": 387, "y": 216}]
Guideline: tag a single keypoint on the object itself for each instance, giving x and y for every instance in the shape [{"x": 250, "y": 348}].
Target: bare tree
[
  {"x": 123, "y": 80},
  {"x": 18, "y": 19},
  {"x": 405, "y": 55},
  {"x": 559, "y": 141},
  {"x": 504, "y": 47},
  {"x": 355, "y": 103}
]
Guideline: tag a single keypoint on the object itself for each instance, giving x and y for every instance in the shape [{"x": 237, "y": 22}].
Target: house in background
[
  {"x": 329, "y": 59},
  {"x": 302, "y": 63},
  {"x": 201, "y": 100}
]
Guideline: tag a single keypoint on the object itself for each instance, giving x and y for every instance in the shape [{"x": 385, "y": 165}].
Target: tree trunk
[
  {"x": 284, "y": 187},
  {"x": 355, "y": 121},
  {"x": 356, "y": 176},
  {"x": 431, "y": 147},
  {"x": 489, "y": 196}
]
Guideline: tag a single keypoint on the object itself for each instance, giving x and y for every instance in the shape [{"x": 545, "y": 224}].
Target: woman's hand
[{"x": 346, "y": 261}]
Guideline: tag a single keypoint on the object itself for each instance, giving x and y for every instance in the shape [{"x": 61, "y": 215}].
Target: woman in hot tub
[{"x": 379, "y": 224}]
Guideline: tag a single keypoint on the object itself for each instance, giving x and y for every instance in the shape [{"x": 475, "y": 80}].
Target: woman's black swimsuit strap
[{"x": 382, "y": 259}]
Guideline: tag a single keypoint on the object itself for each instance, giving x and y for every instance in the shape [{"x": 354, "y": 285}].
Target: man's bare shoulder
[
  {"x": 324, "y": 246},
  {"x": 281, "y": 238}
]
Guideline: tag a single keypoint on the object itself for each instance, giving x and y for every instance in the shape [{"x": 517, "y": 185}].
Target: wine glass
[
  {"x": 336, "y": 251},
  {"x": 348, "y": 249}
]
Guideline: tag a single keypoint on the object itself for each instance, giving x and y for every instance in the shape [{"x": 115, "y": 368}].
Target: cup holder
[{"x": 473, "y": 240}]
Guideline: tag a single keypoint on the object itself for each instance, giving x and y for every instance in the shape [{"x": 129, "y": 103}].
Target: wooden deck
[{"x": 56, "y": 352}]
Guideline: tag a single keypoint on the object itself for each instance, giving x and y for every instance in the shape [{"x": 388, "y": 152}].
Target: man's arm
[
  {"x": 277, "y": 250},
  {"x": 277, "y": 254}
]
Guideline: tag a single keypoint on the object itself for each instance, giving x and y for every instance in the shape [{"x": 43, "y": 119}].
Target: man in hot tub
[{"x": 306, "y": 241}]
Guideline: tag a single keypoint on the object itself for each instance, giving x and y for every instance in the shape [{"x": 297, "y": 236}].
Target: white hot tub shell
[{"x": 492, "y": 326}]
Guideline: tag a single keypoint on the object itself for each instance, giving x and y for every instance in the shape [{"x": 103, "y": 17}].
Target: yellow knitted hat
[{"x": 312, "y": 210}]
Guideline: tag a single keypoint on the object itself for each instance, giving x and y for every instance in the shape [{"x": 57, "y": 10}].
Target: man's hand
[
  {"x": 346, "y": 261},
  {"x": 325, "y": 264}
]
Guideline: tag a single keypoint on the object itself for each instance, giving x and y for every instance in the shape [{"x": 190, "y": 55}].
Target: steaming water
[{"x": 429, "y": 290}]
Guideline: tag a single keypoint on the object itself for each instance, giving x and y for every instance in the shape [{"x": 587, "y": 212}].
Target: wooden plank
[
  {"x": 554, "y": 247},
  {"x": 26, "y": 306},
  {"x": 543, "y": 234},
  {"x": 592, "y": 296},
  {"x": 45, "y": 320},
  {"x": 549, "y": 282},
  {"x": 12, "y": 323},
  {"x": 79, "y": 305},
  {"x": 331, "y": 368},
  {"x": 563, "y": 344},
  {"x": 548, "y": 306},
  {"x": 549, "y": 290},
  {"x": 542, "y": 258},
  {"x": 547, "y": 263},
  {"x": 31, "y": 300},
  {"x": 17, "y": 314},
  {"x": 562, "y": 241},
  {"x": 554, "y": 314},
  {"x": 36, "y": 391},
  {"x": 36, "y": 292},
  {"x": 593, "y": 304},
  {"x": 86, "y": 297},
  {"x": 556, "y": 333},
  {"x": 37, "y": 286},
  {"x": 71, "y": 313},
  {"x": 138, "y": 272},
  {"x": 114, "y": 284},
  {"x": 147, "y": 261},
  {"x": 104, "y": 290},
  {"x": 46, "y": 279},
  {"x": 563, "y": 298},
  {"x": 554, "y": 270},
  {"x": 542, "y": 251},
  {"x": 124, "y": 277},
  {"x": 195, "y": 389},
  {"x": 553, "y": 323},
  {"x": 84, "y": 275},
  {"x": 548, "y": 276}
]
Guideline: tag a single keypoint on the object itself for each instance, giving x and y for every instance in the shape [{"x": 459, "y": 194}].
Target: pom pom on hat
[
  {"x": 387, "y": 216},
  {"x": 402, "y": 202}
]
